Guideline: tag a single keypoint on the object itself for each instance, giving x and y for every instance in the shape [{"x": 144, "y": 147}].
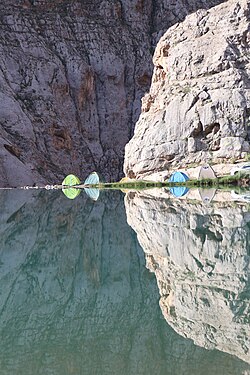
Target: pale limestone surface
[
  {"x": 198, "y": 106},
  {"x": 200, "y": 257},
  {"x": 191, "y": 172},
  {"x": 220, "y": 170}
]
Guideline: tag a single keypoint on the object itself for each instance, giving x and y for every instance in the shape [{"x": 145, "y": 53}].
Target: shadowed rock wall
[{"x": 71, "y": 79}]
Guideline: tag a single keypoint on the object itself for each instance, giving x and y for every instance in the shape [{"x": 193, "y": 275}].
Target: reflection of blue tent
[
  {"x": 179, "y": 191},
  {"x": 92, "y": 193},
  {"x": 178, "y": 177}
]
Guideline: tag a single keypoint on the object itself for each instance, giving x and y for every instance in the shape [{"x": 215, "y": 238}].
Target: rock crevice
[
  {"x": 197, "y": 108},
  {"x": 72, "y": 76}
]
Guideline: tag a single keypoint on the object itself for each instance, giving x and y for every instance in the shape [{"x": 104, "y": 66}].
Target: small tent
[
  {"x": 178, "y": 191},
  {"x": 178, "y": 177},
  {"x": 71, "y": 180},
  {"x": 206, "y": 172}
]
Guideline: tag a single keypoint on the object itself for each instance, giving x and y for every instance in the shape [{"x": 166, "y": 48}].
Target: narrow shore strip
[{"x": 240, "y": 179}]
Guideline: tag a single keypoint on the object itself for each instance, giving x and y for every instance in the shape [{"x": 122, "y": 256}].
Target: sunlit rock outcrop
[
  {"x": 201, "y": 258},
  {"x": 71, "y": 79},
  {"x": 198, "y": 106}
]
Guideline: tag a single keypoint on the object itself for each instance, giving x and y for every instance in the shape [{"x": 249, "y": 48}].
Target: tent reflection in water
[
  {"x": 73, "y": 192},
  {"x": 207, "y": 195},
  {"x": 71, "y": 180},
  {"x": 178, "y": 191},
  {"x": 92, "y": 179}
]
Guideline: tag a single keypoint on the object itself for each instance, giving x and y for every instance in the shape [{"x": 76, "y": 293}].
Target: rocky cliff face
[
  {"x": 72, "y": 75},
  {"x": 200, "y": 256},
  {"x": 198, "y": 107}
]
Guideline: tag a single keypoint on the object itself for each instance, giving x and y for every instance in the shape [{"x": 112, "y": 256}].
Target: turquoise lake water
[{"x": 83, "y": 292}]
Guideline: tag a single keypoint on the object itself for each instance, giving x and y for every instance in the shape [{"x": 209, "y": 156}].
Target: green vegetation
[
  {"x": 239, "y": 179},
  {"x": 139, "y": 184},
  {"x": 186, "y": 89},
  {"x": 247, "y": 157},
  {"x": 191, "y": 275}
]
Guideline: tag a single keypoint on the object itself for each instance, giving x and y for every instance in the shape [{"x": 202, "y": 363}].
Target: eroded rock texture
[
  {"x": 201, "y": 259},
  {"x": 72, "y": 74},
  {"x": 76, "y": 298},
  {"x": 198, "y": 106}
]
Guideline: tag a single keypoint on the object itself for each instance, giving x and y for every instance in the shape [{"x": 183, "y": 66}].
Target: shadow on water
[{"x": 76, "y": 298}]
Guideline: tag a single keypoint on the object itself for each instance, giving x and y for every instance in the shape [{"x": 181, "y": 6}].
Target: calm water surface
[{"x": 80, "y": 294}]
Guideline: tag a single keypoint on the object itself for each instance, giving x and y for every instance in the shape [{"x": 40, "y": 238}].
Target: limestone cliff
[
  {"x": 72, "y": 74},
  {"x": 200, "y": 256},
  {"x": 198, "y": 106}
]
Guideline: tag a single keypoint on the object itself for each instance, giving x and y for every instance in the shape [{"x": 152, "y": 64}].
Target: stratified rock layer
[
  {"x": 198, "y": 106},
  {"x": 200, "y": 256},
  {"x": 71, "y": 79}
]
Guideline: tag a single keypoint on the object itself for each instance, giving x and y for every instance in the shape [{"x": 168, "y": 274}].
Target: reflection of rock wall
[
  {"x": 75, "y": 297},
  {"x": 67, "y": 287},
  {"x": 201, "y": 259}
]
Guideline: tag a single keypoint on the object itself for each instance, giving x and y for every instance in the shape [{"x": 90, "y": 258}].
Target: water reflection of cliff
[
  {"x": 75, "y": 296},
  {"x": 200, "y": 256}
]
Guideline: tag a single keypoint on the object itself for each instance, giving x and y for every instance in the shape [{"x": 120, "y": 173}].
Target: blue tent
[
  {"x": 178, "y": 177},
  {"x": 179, "y": 191}
]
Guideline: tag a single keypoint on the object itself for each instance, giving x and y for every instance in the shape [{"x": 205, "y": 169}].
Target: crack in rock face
[
  {"x": 200, "y": 256},
  {"x": 72, "y": 76},
  {"x": 198, "y": 106}
]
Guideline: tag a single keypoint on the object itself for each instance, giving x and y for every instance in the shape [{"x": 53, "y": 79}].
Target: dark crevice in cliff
[{"x": 112, "y": 38}]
